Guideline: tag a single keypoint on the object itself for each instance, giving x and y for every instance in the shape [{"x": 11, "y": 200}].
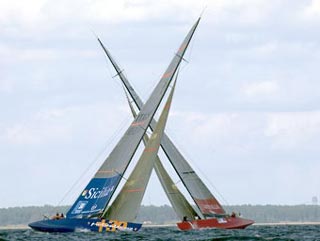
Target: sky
[{"x": 246, "y": 110}]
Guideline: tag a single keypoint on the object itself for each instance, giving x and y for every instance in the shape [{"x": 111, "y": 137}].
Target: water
[{"x": 270, "y": 233}]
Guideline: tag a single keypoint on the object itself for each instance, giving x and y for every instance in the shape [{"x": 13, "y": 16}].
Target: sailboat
[
  {"x": 91, "y": 211},
  {"x": 208, "y": 212}
]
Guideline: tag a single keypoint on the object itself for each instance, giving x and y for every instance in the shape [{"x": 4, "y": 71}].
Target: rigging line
[
  {"x": 190, "y": 160},
  {"x": 190, "y": 50},
  {"x": 110, "y": 72},
  {"x": 210, "y": 182},
  {"x": 121, "y": 175},
  {"x": 96, "y": 37},
  {"x": 189, "y": 53},
  {"x": 122, "y": 71},
  {"x": 95, "y": 160},
  {"x": 203, "y": 10},
  {"x": 213, "y": 186}
]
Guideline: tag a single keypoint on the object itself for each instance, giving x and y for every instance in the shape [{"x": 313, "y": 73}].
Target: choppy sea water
[{"x": 273, "y": 233}]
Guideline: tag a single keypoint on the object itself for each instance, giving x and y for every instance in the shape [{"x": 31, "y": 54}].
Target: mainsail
[
  {"x": 97, "y": 194},
  {"x": 207, "y": 203},
  {"x": 127, "y": 203},
  {"x": 181, "y": 206}
]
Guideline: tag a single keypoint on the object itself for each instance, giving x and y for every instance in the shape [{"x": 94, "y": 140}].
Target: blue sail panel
[{"x": 94, "y": 197}]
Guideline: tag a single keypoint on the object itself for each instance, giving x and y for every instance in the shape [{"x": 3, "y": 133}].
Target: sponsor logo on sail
[
  {"x": 79, "y": 207},
  {"x": 95, "y": 192},
  {"x": 94, "y": 207}
]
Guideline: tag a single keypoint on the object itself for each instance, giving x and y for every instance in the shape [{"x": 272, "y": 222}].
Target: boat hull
[
  {"x": 222, "y": 223},
  {"x": 73, "y": 225}
]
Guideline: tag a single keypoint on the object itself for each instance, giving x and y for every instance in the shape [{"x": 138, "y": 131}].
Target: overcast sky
[{"x": 246, "y": 112}]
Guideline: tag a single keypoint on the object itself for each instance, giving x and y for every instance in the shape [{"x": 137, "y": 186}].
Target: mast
[
  {"x": 127, "y": 203},
  {"x": 201, "y": 195}
]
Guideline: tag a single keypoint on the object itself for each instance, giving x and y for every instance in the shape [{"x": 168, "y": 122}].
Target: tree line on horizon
[{"x": 166, "y": 215}]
